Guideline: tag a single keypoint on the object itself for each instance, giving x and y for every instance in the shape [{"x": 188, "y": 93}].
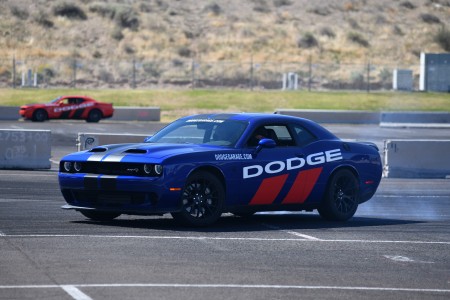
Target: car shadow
[{"x": 255, "y": 223}]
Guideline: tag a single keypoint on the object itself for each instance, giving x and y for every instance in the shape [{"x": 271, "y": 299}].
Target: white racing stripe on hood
[
  {"x": 96, "y": 157},
  {"x": 114, "y": 158}
]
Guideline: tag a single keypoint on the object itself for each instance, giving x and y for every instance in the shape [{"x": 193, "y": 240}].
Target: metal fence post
[
  {"x": 133, "y": 84},
  {"x": 193, "y": 73},
  {"x": 251, "y": 73},
  {"x": 74, "y": 73},
  {"x": 14, "y": 72},
  {"x": 309, "y": 73}
]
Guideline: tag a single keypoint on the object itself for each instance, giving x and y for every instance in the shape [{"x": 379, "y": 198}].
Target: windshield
[
  {"x": 55, "y": 100},
  {"x": 201, "y": 131}
]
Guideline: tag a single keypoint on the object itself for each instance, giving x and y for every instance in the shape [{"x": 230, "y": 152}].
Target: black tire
[
  {"x": 201, "y": 200},
  {"x": 341, "y": 197},
  {"x": 99, "y": 215},
  {"x": 94, "y": 116},
  {"x": 40, "y": 115}
]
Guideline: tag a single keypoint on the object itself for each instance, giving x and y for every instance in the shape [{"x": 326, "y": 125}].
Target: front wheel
[
  {"x": 40, "y": 115},
  {"x": 99, "y": 215},
  {"x": 341, "y": 197},
  {"x": 201, "y": 200}
]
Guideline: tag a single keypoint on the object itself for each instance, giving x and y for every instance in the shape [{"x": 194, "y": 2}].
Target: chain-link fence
[{"x": 142, "y": 74}]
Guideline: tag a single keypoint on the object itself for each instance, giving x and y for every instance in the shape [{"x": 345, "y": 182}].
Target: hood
[
  {"x": 33, "y": 105},
  {"x": 136, "y": 152}
]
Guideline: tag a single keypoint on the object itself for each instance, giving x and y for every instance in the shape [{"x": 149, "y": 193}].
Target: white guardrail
[
  {"x": 25, "y": 149},
  {"x": 416, "y": 158}
]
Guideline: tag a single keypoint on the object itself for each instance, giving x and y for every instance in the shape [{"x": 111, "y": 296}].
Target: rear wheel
[
  {"x": 94, "y": 116},
  {"x": 99, "y": 215},
  {"x": 40, "y": 115},
  {"x": 341, "y": 197},
  {"x": 201, "y": 201}
]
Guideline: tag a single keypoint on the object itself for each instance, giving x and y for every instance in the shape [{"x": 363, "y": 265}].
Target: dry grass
[{"x": 226, "y": 30}]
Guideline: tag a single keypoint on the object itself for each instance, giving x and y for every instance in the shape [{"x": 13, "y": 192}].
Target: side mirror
[
  {"x": 265, "y": 143},
  {"x": 147, "y": 139}
]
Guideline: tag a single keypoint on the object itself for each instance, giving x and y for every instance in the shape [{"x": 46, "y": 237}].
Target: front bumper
[{"x": 124, "y": 194}]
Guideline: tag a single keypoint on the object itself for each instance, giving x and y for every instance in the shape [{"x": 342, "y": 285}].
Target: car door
[
  {"x": 63, "y": 108},
  {"x": 285, "y": 174}
]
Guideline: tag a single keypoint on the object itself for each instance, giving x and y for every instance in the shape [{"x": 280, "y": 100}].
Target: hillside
[{"x": 386, "y": 32}]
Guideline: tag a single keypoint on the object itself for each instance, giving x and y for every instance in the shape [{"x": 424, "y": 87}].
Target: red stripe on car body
[
  {"x": 269, "y": 190},
  {"x": 302, "y": 187}
]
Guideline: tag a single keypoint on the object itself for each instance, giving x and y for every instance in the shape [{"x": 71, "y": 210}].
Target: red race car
[{"x": 68, "y": 107}]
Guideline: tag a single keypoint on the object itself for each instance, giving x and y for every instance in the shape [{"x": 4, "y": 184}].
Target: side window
[
  {"x": 64, "y": 101},
  {"x": 304, "y": 137},
  {"x": 279, "y": 133}
]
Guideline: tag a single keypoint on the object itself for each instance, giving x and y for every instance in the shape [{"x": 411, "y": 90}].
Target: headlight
[
  {"x": 158, "y": 169},
  {"x": 147, "y": 169},
  {"x": 77, "y": 166},
  {"x": 67, "y": 166}
]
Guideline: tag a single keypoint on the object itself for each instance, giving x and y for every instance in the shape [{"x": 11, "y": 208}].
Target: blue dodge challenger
[{"x": 201, "y": 166}]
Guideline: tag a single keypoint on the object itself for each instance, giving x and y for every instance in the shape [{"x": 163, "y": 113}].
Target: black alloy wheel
[
  {"x": 201, "y": 200},
  {"x": 341, "y": 197}
]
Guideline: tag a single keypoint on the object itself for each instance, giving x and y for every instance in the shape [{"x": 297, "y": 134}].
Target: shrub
[
  {"x": 261, "y": 6},
  {"x": 145, "y": 7},
  {"x": 307, "y": 41},
  {"x": 184, "y": 52},
  {"x": 279, "y": 3},
  {"x": 152, "y": 69},
  {"x": 214, "y": 8},
  {"x": 126, "y": 17},
  {"x": 327, "y": 31},
  {"x": 407, "y": 4},
  {"x": 117, "y": 33},
  {"x": 321, "y": 11},
  {"x": 103, "y": 9},
  {"x": 43, "y": 19},
  {"x": 397, "y": 30},
  {"x": 430, "y": 19},
  {"x": 69, "y": 10},
  {"x": 443, "y": 38},
  {"x": 358, "y": 39},
  {"x": 19, "y": 12}
]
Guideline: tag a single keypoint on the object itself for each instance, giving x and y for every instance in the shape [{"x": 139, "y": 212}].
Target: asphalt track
[{"x": 396, "y": 246}]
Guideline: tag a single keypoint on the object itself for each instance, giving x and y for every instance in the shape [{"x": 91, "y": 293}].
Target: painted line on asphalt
[
  {"x": 219, "y": 238},
  {"x": 24, "y": 200},
  {"x": 75, "y": 293},
  {"x": 33, "y": 174},
  {"x": 305, "y": 236},
  {"x": 73, "y": 289}
]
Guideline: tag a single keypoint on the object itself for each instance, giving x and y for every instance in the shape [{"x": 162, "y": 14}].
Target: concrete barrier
[
  {"x": 25, "y": 149},
  {"x": 416, "y": 158},
  {"x": 415, "y": 117},
  {"x": 334, "y": 116},
  {"x": 87, "y": 141},
  {"x": 9, "y": 113},
  {"x": 136, "y": 114}
]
